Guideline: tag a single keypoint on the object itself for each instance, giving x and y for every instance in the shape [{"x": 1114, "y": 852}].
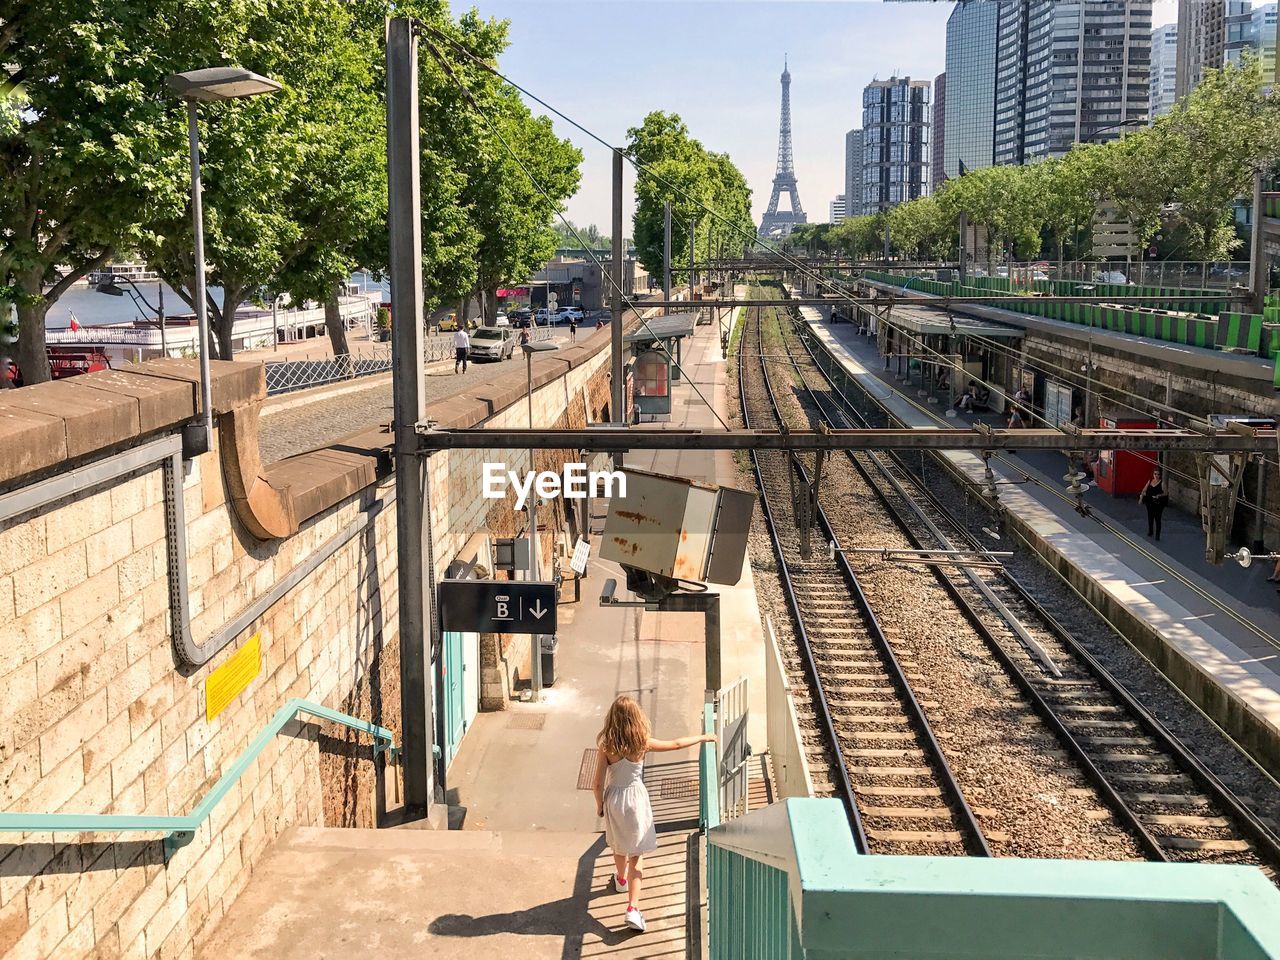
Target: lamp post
[
  {"x": 211, "y": 84},
  {"x": 535, "y": 656},
  {"x": 1131, "y": 122},
  {"x": 112, "y": 289}
]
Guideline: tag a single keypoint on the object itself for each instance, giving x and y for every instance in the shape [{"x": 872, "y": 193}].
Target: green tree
[
  {"x": 705, "y": 189},
  {"x": 291, "y": 180},
  {"x": 921, "y": 228},
  {"x": 1211, "y": 143},
  {"x": 91, "y": 148}
]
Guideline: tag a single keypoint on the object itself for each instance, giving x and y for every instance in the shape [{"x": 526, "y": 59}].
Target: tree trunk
[
  {"x": 33, "y": 359},
  {"x": 334, "y": 326},
  {"x": 222, "y": 324}
]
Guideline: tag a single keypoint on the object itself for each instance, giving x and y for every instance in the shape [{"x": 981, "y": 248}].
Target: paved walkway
[{"x": 294, "y": 423}]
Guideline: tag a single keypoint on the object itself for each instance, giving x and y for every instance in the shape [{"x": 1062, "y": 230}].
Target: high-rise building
[
  {"x": 1262, "y": 38},
  {"x": 837, "y": 209},
  {"x": 938, "y": 131},
  {"x": 1164, "y": 69},
  {"x": 895, "y": 145},
  {"x": 853, "y": 173},
  {"x": 1069, "y": 71},
  {"x": 1210, "y": 34},
  {"x": 968, "y": 130}
]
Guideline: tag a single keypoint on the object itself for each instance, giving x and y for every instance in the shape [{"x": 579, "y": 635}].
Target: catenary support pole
[
  {"x": 409, "y": 404},
  {"x": 200, "y": 436},
  {"x": 1258, "y": 272},
  {"x": 666, "y": 254},
  {"x": 618, "y": 388}
]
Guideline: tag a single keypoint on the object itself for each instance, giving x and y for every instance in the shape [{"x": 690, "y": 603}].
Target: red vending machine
[{"x": 1125, "y": 472}]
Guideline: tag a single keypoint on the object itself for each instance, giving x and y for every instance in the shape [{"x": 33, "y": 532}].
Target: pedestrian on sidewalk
[
  {"x": 621, "y": 797},
  {"x": 1154, "y": 497},
  {"x": 461, "y": 347},
  {"x": 573, "y": 330}
]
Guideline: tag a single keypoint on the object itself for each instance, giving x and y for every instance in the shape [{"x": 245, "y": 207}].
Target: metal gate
[{"x": 735, "y": 752}]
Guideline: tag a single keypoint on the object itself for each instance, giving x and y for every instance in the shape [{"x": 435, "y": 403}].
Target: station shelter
[{"x": 655, "y": 363}]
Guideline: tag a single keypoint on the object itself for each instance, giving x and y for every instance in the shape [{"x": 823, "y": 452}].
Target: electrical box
[{"x": 678, "y": 529}]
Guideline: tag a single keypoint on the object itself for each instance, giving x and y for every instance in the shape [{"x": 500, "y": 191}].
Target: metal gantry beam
[
  {"x": 935, "y": 302},
  {"x": 612, "y": 439}
]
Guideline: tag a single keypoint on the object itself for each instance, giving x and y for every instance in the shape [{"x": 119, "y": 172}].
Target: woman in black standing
[{"x": 1154, "y": 497}]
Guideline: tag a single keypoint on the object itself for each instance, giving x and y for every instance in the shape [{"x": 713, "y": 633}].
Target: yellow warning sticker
[{"x": 225, "y": 684}]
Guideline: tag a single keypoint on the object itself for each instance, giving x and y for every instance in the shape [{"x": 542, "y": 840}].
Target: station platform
[
  {"x": 527, "y": 875},
  {"x": 1218, "y": 625}
]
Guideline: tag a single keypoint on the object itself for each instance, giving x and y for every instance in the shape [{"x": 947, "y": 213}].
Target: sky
[{"x": 607, "y": 63}]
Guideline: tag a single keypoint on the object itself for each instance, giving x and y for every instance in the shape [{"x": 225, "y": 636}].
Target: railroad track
[
  {"x": 1167, "y": 798},
  {"x": 877, "y": 751}
]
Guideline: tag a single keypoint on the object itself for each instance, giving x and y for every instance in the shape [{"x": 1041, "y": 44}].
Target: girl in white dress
[{"x": 623, "y": 800}]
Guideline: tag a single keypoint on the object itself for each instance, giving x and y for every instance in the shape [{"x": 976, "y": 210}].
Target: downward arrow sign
[{"x": 537, "y": 610}]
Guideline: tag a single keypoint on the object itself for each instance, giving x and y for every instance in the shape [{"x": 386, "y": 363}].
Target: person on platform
[
  {"x": 968, "y": 398},
  {"x": 461, "y": 347},
  {"x": 621, "y": 797},
  {"x": 1155, "y": 498}
]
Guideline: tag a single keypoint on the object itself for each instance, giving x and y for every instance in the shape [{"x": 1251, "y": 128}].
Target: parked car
[
  {"x": 520, "y": 318},
  {"x": 449, "y": 324},
  {"x": 570, "y": 313},
  {"x": 543, "y": 315},
  {"x": 1110, "y": 276},
  {"x": 500, "y": 319},
  {"x": 492, "y": 343}
]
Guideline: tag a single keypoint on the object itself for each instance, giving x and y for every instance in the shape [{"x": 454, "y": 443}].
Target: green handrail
[
  {"x": 181, "y": 829},
  {"x": 708, "y": 779}
]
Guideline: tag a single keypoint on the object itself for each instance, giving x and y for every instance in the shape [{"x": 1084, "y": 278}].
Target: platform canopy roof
[{"x": 670, "y": 327}]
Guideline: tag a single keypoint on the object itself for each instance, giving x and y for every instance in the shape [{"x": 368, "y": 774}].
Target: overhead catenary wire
[{"x": 470, "y": 97}]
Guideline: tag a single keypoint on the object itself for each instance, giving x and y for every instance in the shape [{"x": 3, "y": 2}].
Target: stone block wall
[{"x": 95, "y": 716}]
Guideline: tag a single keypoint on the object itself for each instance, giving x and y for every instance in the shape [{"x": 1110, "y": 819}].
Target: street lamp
[
  {"x": 535, "y": 657},
  {"x": 112, "y": 289},
  {"x": 210, "y": 85},
  {"x": 1131, "y": 122}
]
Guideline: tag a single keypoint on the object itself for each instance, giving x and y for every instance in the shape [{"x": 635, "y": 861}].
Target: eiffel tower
[{"x": 777, "y": 224}]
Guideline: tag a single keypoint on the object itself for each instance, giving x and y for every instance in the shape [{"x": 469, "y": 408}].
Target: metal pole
[
  {"x": 964, "y": 253},
  {"x": 408, "y": 394},
  {"x": 164, "y": 340},
  {"x": 535, "y": 640},
  {"x": 1257, "y": 261},
  {"x": 1259, "y": 491},
  {"x": 666, "y": 254},
  {"x": 693, "y": 233},
  {"x": 200, "y": 437},
  {"x": 618, "y": 392},
  {"x": 275, "y": 330}
]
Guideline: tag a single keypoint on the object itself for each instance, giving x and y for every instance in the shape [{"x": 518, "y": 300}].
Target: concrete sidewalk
[{"x": 517, "y": 769}]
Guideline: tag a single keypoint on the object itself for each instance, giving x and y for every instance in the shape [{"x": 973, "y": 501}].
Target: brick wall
[{"x": 96, "y": 718}]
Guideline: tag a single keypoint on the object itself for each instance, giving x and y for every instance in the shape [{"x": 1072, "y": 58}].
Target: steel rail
[
  {"x": 974, "y": 840},
  {"x": 971, "y": 613},
  {"x": 840, "y": 770},
  {"x": 1247, "y": 822}
]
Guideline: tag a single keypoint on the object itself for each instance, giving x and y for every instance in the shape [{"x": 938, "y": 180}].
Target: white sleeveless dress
[{"x": 628, "y": 816}]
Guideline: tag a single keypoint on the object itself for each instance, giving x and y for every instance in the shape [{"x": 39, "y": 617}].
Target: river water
[{"x": 91, "y": 308}]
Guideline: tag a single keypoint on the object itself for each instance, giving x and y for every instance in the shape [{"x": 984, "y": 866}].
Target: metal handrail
[
  {"x": 181, "y": 829},
  {"x": 708, "y": 779}
]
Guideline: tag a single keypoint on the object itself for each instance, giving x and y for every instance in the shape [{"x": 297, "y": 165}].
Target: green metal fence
[{"x": 1194, "y": 323}]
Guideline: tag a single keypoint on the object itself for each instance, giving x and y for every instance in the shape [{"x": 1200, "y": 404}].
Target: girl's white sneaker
[
  {"x": 619, "y": 884},
  {"x": 634, "y": 920}
]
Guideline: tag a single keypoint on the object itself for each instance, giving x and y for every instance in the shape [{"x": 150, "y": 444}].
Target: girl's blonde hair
[{"x": 626, "y": 730}]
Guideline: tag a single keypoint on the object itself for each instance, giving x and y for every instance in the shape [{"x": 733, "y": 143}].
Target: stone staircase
[{"x": 343, "y": 893}]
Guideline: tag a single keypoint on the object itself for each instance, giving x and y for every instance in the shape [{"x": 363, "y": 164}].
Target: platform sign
[
  {"x": 581, "y": 554},
  {"x": 497, "y": 606}
]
